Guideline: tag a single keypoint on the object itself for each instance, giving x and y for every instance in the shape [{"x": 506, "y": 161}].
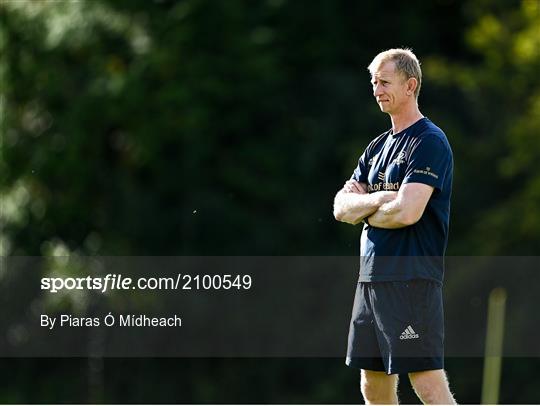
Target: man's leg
[
  {"x": 432, "y": 387},
  {"x": 378, "y": 387}
]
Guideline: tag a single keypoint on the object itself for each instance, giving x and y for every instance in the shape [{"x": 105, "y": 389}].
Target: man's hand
[{"x": 352, "y": 186}]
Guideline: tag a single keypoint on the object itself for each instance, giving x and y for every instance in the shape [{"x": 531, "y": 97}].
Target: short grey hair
[{"x": 406, "y": 63}]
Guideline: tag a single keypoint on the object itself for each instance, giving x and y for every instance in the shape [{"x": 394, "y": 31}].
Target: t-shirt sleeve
[
  {"x": 360, "y": 174},
  {"x": 429, "y": 162}
]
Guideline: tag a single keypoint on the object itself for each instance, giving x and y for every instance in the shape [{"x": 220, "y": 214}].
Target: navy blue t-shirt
[{"x": 421, "y": 154}]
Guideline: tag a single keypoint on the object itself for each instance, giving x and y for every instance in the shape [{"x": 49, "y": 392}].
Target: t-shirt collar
[{"x": 404, "y": 131}]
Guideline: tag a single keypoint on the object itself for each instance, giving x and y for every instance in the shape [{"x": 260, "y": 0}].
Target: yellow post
[{"x": 494, "y": 346}]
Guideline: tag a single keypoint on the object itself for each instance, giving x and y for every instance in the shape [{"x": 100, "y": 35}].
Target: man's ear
[{"x": 412, "y": 83}]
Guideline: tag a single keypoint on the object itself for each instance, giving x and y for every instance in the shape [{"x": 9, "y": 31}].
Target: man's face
[{"x": 390, "y": 88}]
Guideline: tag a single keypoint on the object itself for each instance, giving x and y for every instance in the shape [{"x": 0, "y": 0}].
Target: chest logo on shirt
[
  {"x": 400, "y": 159},
  {"x": 381, "y": 176},
  {"x": 377, "y": 187}
]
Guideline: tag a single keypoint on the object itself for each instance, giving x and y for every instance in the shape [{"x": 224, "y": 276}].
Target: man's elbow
[
  {"x": 338, "y": 214},
  {"x": 339, "y": 210},
  {"x": 409, "y": 218}
]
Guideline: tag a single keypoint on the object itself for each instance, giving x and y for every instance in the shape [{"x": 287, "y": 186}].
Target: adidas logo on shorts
[{"x": 408, "y": 334}]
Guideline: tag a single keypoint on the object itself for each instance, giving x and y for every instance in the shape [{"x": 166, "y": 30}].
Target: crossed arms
[{"x": 384, "y": 209}]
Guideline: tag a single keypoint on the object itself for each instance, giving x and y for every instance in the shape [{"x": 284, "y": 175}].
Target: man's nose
[{"x": 377, "y": 90}]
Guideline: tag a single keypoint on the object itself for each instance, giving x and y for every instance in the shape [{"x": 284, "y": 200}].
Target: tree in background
[{"x": 186, "y": 127}]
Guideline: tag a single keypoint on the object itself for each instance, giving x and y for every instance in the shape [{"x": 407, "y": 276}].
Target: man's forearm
[
  {"x": 405, "y": 210},
  {"x": 352, "y": 208},
  {"x": 389, "y": 215}
]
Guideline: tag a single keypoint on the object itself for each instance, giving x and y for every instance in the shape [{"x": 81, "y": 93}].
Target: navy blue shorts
[{"x": 397, "y": 327}]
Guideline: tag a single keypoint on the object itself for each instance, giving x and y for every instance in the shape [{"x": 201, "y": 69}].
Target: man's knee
[
  {"x": 431, "y": 386},
  {"x": 372, "y": 391},
  {"x": 378, "y": 387}
]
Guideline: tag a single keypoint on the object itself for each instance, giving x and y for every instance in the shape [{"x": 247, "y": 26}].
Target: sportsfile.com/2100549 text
[{"x": 119, "y": 282}]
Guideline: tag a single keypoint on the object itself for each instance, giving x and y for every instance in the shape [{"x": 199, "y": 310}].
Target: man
[{"x": 401, "y": 192}]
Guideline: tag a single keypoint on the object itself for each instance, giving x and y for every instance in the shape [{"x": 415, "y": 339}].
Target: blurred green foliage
[
  {"x": 225, "y": 128},
  {"x": 184, "y": 127},
  {"x": 497, "y": 143}
]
